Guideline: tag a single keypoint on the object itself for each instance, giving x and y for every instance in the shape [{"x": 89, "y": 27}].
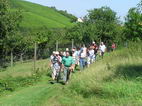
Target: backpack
[{"x": 55, "y": 60}]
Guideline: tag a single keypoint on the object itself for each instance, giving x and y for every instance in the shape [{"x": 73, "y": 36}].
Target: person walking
[
  {"x": 56, "y": 64},
  {"x": 90, "y": 56},
  {"x": 68, "y": 65},
  {"x": 113, "y": 47},
  {"x": 95, "y": 47},
  {"x": 82, "y": 57},
  {"x": 102, "y": 49}
]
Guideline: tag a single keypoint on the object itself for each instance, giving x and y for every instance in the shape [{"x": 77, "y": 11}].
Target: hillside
[
  {"x": 114, "y": 81},
  {"x": 36, "y": 16}
]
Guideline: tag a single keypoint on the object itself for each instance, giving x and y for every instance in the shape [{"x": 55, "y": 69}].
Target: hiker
[
  {"x": 75, "y": 56},
  {"x": 51, "y": 62},
  {"x": 95, "y": 47},
  {"x": 113, "y": 47},
  {"x": 102, "y": 49},
  {"x": 56, "y": 64},
  {"x": 67, "y": 50},
  {"x": 61, "y": 54},
  {"x": 82, "y": 57},
  {"x": 67, "y": 65},
  {"x": 90, "y": 56}
]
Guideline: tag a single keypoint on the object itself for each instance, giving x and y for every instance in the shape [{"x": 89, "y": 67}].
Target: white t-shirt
[
  {"x": 102, "y": 48},
  {"x": 91, "y": 52},
  {"x": 84, "y": 52}
]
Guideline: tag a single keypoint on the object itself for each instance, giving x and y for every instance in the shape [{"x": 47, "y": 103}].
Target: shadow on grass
[
  {"x": 129, "y": 72},
  {"x": 102, "y": 93}
]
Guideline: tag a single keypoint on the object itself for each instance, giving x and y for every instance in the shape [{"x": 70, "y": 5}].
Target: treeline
[
  {"x": 100, "y": 24},
  {"x": 65, "y": 13}
]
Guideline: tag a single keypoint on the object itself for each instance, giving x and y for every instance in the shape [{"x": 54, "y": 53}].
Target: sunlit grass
[
  {"x": 113, "y": 81},
  {"x": 25, "y": 69}
]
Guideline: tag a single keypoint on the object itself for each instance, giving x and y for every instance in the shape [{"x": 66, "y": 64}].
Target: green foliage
[
  {"x": 106, "y": 23},
  {"x": 103, "y": 13},
  {"x": 9, "y": 23},
  {"x": 23, "y": 23},
  {"x": 133, "y": 25},
  {"x": 99, "y": 25},
  {"x": 140, "y": 6}
]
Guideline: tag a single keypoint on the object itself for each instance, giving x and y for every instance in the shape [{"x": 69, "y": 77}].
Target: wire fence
[
  {"x": 33, "y": 54},
  {"x": 38, "y": 53}
]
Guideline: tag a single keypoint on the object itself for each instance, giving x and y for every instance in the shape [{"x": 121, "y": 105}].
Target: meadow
[
  {"x": 35, "y": 16},
  {"x": 114, "y": 80}
]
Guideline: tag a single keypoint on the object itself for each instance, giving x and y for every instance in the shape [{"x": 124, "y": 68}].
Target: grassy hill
[
  {"x": 114, "y": 81},
  {"x": 36, "y": 16}
]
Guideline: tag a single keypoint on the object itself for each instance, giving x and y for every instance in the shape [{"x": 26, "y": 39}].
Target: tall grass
[
  {"x": 115, "y": 80},
  {"x": 25, "y": 69}
]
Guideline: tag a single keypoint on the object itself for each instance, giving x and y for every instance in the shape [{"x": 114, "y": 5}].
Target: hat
[
  {"x": 93, "y": 42},
  {"x": 57, "y": 52},
  {"x": 54, "y": 52},
  {"x": 67, "y": 49},
  {"x": 102, "y": 43}
]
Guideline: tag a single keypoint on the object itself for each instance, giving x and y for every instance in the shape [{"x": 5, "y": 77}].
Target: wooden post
[
  {"x": 72, "y": 43},
  {"x": 35, "y": 56},
  {"x": 57, "y": 45},
  {"x": 100, "y": 41},
  {"x": 11, "y": 58},
  {"x": 21, "y": 58}
]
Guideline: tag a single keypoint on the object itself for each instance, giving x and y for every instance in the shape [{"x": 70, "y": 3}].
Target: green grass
[
  {"x": 37, "y": 16},
  {"x": 25, "y": 69},
  {"x": 114, "y": 81}
]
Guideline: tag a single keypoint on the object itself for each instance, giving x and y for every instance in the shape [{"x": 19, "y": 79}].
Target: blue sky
[{"x": 79, "y": 7}]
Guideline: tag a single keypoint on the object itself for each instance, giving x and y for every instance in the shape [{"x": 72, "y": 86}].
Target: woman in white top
[{"x": 102, "y": 49}]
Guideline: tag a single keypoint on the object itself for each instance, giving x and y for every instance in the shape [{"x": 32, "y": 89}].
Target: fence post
[
  {"x": 57, "y": 45},
  {"x": 35, "y": 56},
  {"x": 100, "y": 41},
  {"x": 72, "y": 43},
  {"x": 11, "y": 58},
  {"x": 21, "y": 58}
]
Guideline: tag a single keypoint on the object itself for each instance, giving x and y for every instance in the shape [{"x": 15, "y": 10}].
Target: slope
[{"x": 36, "y": 16}]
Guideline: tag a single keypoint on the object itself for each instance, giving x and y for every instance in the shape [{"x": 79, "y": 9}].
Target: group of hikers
[{"x": 68, "y": 60}]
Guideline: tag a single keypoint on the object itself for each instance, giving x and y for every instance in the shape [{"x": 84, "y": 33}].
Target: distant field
[{"x": 37, "y": 16}]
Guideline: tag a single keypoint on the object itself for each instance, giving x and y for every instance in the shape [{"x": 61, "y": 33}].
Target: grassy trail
[
  {"x": 30, "y": 96},
  {"x": 114, "y": 81}
]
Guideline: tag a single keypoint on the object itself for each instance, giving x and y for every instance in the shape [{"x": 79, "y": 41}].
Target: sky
[{"x": 79, "y": 7}]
